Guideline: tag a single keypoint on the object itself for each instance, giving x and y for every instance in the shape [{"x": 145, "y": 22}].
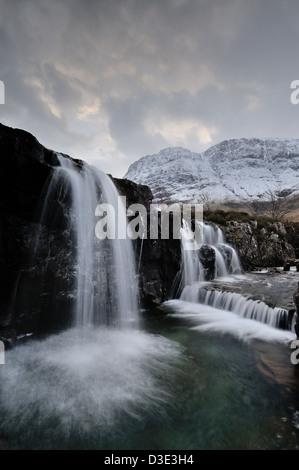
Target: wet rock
[
  {"x": 296, "y": 302},
  {"x": 159, "y": 265},
  {"x": 135, "y": 193},
  {"x": 9, "y": 337},
  {"x": 24, "y": 172},
  {"x": 274, "y": 270},
  {"x": 207, "y": 259}
]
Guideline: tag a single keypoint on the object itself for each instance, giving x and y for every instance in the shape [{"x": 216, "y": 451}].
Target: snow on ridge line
[{"x": 236, "y": 169}]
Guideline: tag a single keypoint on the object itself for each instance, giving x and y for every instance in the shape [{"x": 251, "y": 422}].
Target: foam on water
[
  {"x": 208, "y": 319},
  {"x": 57, "y": 390}
]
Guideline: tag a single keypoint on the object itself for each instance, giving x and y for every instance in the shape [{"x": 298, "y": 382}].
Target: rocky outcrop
[
  {"x": 135, "y": 193},
  {"x": 259, "y": 245}
]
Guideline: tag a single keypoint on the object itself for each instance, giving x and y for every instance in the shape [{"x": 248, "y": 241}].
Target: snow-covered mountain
[{"x": 237, "y": 169}]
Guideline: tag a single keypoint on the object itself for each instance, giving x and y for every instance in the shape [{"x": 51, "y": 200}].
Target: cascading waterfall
[
  {"x": 140, "y": 254},
  {"x": 106, "y": 290},
  {"x": 242, "y": 306},
  {"x": 226, "y": 257},
  {"x": 88, "y": 280},
  {"x": 196, "y": 291},
  {"x": 192, "y": 269},
  {"x": 227, "y": 260}
]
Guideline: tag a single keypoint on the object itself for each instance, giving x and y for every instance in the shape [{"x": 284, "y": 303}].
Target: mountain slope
[{"x": 237, "y": 169}]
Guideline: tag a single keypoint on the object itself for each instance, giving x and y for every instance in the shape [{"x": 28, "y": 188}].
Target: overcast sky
[{"x": 110, "y": 81}]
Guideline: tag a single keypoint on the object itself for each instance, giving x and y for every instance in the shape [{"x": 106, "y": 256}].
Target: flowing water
[
  {"x": 105, "y": 271},
  {"x": 214, "y": 237},
  {"x": 209, "y": 370},
  {"x": 194, "y": 288},
  {"x": 184, "y": 382}
]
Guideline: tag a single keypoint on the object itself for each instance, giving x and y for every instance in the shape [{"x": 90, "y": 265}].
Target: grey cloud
[
  {"x": 127, "y": 125},
  {"x": 225, "y": 64},
  {"x": 58, "y": 87}
]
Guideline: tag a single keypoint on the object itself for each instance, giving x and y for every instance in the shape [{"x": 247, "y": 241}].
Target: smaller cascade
[
  {"x": 192, "y": 269},
  {"x": 227, "y": 260},
  {"x": 194, "y": 287},
  {"x": 240, "y": 305}
]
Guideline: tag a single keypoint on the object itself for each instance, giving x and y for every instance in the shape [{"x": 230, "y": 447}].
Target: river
[{"x": 190, "y": 378}]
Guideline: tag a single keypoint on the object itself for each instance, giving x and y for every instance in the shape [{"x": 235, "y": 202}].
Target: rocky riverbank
[{"x": 260, "y": 245}]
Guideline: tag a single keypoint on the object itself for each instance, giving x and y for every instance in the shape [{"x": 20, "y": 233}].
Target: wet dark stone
[
  {"x": 207, "y": 259},
  {"x": 296, "y": 302}
]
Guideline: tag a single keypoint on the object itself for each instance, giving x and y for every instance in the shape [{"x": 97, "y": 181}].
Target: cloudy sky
[{"x": 110, "y": 81}]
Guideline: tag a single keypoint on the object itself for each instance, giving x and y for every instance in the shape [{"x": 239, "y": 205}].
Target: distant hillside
[{"x": 235, "y": 170}]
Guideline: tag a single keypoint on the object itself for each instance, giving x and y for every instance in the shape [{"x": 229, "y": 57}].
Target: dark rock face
[
  {"x": 135, "y": 193},
  {"x": 259, "y": 246},
  {"x": 26, "y": 171},
  {"x": 159, "y": 265},
  {"x": 157, "y": 261}
]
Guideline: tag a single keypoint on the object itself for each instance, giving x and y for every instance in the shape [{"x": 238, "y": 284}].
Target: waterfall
[
  {"x": 226, "y": 261},
  {"x": 242, "y": 306},
  {"x": 192, "y": 269},
  {"x": 72, "y": 278},
  {"x": 106, "y": 286},
  {"x": 226, "y": 257},
  {"x": 140, "y": 254}
]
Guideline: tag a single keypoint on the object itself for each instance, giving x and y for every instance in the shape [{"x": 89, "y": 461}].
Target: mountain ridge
[{"x": 236, "y": 169}]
